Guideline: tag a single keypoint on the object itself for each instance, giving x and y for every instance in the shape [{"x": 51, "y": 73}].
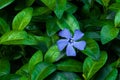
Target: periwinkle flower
[{"x": 70, "y": 42}]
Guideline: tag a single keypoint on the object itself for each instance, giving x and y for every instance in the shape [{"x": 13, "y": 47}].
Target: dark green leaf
[
  {"x": 70, "y": 65},
  {"x": 10, "y": 77},
  {"x": 93, "y": 35},
  {"x": 36, "y": 58},
  {"x": 90, "y": 66},
  {"x": 53, "y": 54},
  {"x": 117, "y": 19},
  {"x": 60, "y": 7},
  {"x": 107, "y": 73},
  {"x": 69, "y": 22},
  {"x": 22, "y": 19},
  {"x": 4, "y": 27},
  {"x": 70, "y": 8},
  {"x": 29, "y": 2},
  {"x": 92, "y": 49},
  {"x": 42, "y": 70},
  {"x": 40, "y": 11},
  {"x": 52, "y": 27},
  {"x": 4, "y": 67},
  {"x": 4, "y": 3},
  {"x": 108, "y": 33},
  {"x": 51, "y": 4}
]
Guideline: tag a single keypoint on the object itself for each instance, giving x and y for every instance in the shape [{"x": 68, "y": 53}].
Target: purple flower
[{"x": 70, "y": 42}]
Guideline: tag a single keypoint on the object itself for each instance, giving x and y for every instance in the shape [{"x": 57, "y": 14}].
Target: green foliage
[{"x": 29, "y": 31}]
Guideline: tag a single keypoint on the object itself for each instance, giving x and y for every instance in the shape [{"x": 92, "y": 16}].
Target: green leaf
[
  {"x": 105, "y": 2},
  {"x": 4, "y": 67},
  {"x": 4, "y": 27},
  {"x": 41, "y": 11},
  {"x": 115, "y": 6},
  {"x": 52, "y": 27},
  {"x": 4, "y": 3},
  {"x": 107, "y": 73},
  {"x": 51, "y": 4},
  {"x": 94, "y": 35},
  {"x": 18, "y": 37},
  {"x": 70, "y": 8},
  {"x": 29, "y": 2},
  {"x": 22, "y": 19},
  {"x": 92, "y": 49},
  {"x": 70, "y": 65},
  {"x": 42, "y": 70},
  {"x": 117, "y": 19},
  {"x": 53, "y": 54},
  {"x": 36, "y": 58},
  {"x": 69, "y": 22},
  {"x": 117, "y": 1},
  {"x": 90, "y": 66},
  {"x": 60, "y": 7},
  {"x": 108, "y": 33},
  {"x": 10, "y": 77}
]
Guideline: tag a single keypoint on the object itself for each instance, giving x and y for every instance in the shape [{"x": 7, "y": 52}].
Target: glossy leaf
[
  {"x": 117, "y": 19},
  {"x": 36, "y": 58},
  {"x": 92, "y": 49},
  {"x": 107, "y": 73},
  {"x": 40, "y": 11},
  {"x": 108, "y": 33},
  {"x": 29, "y": 2},
  {"x": 60, "y": 8},
  {"x": 42, "y": 70},
  {"x": 18, "y": 37},
  {"x": 52, "y": 27},
  {"x": 70, "y": 65},
  {"x": 4, "y": 27},
  {"x": 53, "y": 54},
  {"x": 22, "y": 19},
  {"x": 51, "y": 4},
  {"x": 4, "y": 3},
  {"x": 90, "y": 66},
  {"x": 69, "y": 22},
  {"x": 4, "y": 67}
]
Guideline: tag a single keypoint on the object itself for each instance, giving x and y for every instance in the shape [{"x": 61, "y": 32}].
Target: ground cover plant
[{"x": 59, "y": 40}]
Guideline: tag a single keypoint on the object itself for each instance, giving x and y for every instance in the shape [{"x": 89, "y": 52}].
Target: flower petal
[
  {"x": 77, "y": 35},
  {"x": 80, "y": 45},
  {"x": 62, "y": 43},
  {"x": 70, "y": 50},
  {"x": 65, "y": 33}
]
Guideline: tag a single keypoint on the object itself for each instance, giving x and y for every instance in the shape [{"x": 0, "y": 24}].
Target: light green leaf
[
  {"x": 42, "y": 70},
  {"x": 53, "y": 54},
  {"x": 92, "y": 49},
  {"x": 22, "y": 19},
  {"x": 50, "y": 3},
  {"x": 29, "y": 2},
  {"x": 69, "y": 22},
  {"x": 60, "y": 7},
  {"x": 4, "y": 3},
  {"x": 117, "y": 19},
  {"x": 70, "y": 65},
  {"x": 107, "y": 73},
  {"x": 90, "y": 66},
  {"x": 105, "y": 2},
  {"x": 115, "y": 6},
  {"x": 108, "y": 33},
  {"x": 36, "y": 58},
  {"x": 18, "y": 37},
  {"x": 4, "y": 67},
  {"x": 40, "y": 11},
  {"x": 4, "y": 27}
]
